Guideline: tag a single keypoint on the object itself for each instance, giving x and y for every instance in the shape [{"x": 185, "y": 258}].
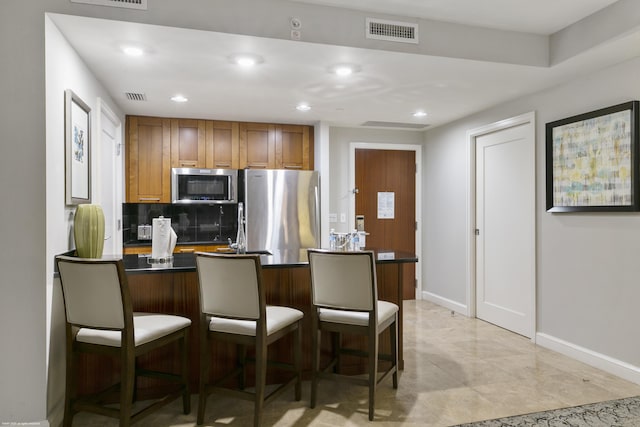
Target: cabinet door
[
  {"x": 179, "y": 249},
  {"x": 257, "y": 146},
  {"x": 293, "y": 147},
  {"x": 222, "y": 145},
  {"x": 148, "y": 160},
  {"x": 187, "y": 143}
]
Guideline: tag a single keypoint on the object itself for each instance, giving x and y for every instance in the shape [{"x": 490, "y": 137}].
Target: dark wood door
[{"x": 392, "y": 172}]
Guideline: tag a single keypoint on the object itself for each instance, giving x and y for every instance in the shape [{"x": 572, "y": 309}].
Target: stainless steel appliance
[
  {"x": 281, "y": 209},
  {"x": 199, "y": 185}
]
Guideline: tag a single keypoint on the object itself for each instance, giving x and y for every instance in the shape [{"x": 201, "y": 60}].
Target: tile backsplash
[{"x": 194, "y": 224}]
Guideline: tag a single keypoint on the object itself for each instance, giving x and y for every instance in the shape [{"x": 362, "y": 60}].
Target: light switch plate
[{"x": 343, "y": 217}]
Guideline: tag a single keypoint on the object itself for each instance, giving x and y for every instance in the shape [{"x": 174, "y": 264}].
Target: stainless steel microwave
[{"x": 204, "y": 186}]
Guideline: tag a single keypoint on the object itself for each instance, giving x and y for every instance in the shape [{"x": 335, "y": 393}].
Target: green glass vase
[{"x": 88, "y": 231}]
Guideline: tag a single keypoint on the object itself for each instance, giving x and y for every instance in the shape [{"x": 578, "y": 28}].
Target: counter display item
[{"x": 163, "y": 239}]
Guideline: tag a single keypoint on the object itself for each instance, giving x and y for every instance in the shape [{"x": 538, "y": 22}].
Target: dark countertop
[{"x": 277, "y": 259}]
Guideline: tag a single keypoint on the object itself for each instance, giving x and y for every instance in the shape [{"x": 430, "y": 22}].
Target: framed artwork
[
  {"x": 77, "y": 150},
  {"x": 593, "y": 161}
]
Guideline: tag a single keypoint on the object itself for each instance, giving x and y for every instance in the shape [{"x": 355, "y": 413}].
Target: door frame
[
  {"x": 471, "y": 208},
  {"x": 353, "y": 146},
  {"x": 118, "y": 187}
]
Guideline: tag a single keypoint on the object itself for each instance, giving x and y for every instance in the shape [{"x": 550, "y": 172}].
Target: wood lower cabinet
[
  {"x": 187, "y": 143},
  {"x": 179, "y": 249},
  {"x": 176, "y": 292},
  {"x": 148, "y": 160}
]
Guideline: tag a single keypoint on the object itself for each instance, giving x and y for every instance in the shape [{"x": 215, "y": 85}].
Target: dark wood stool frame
[{"x": 127, "y": 353}]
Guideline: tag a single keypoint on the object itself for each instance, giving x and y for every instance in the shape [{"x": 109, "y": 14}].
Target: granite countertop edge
[{"x": 140, "y": 264}]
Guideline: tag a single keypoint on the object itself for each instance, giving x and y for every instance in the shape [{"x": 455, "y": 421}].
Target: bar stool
[
  {"x": 344, "y": 298},
  {"x": 100, "y": 319},
  {"x": 233, "y": 309}
]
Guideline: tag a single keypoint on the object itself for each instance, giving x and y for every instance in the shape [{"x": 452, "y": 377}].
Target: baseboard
[
  {"x": 606, "y": 363},
  {"x": 444, "y": 302},
  {"x": 44, "y": 423},
  {"x": 56, "y": 414}
]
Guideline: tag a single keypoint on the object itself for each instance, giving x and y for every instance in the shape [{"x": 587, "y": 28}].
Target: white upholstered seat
[
  {"x": 277, "y": 318},
  {"x": 100, "y": 319},
  {"x": 147, "y": 327},
  {"x": 233, "y": 309},
  {"x": 345, "y": 300},
  {"x": 385, "y": 311}
]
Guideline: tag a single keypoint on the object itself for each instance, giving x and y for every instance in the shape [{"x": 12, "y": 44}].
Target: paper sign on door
[{"x": 386, "y": 205}]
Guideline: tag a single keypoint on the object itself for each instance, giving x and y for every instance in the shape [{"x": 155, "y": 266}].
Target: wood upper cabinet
[
  {"x": 148, "y": 160},
  {"x": 187, "y": 143},
  {"x": 257, "y": 145},
  {"x": 293, "y": 147},
  {"x": 222, "y": 145},
  {"x": 155, "y": 145},
  {"x": 264, "y": 145}
]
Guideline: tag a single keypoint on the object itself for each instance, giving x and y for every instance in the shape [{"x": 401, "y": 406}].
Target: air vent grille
[
  {"x": 396, "y": 125},
  {"x": 126, "y": 4},
  {"x": 132, "y": 96},
  {"x": 404, "y": 32}
]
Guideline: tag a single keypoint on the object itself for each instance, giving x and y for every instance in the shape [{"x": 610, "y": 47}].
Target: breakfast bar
[{"x": 172, "y": 288}]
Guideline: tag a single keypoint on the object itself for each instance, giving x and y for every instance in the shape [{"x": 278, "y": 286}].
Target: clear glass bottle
[
  {"x": 332, "y": 239},
  {"x": 241, "y": 239},
  {"x": 355, "y": 241}
]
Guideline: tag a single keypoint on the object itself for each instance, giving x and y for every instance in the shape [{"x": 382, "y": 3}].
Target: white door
[
  {"x": 505, "y": 228},
  {"x": 110, "y": 178}
]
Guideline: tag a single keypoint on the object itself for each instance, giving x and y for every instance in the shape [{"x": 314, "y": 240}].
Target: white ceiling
[
  {"x": 389, "y": 86},
  {"x": 530, "y": 16}
]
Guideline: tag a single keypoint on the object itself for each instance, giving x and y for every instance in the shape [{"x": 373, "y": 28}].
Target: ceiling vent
[
  {"x": 398, "y": 125},
  {"x": 126, "y": 4},
  {"x": 132, "y": 96},
  {"x": 403, "y": 32}
]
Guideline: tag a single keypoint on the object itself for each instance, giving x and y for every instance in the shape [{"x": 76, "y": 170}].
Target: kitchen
[
  {"x": 202, "y": 189},
  {"x": 296, "y": 148}
]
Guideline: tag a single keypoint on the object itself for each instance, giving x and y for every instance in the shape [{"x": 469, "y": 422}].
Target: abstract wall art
[{"x": 592, "y": 161}]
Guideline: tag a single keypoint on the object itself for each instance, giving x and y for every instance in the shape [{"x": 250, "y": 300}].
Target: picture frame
[
  {"x": 592, "y": 161},
  {"x": 77, "y": 150}
]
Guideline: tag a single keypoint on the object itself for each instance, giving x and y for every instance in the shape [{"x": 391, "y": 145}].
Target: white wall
[
  {"x": 64, "y": 70},
  {"x": 444, "y": 166},
  {"x": 22, "y": 185},
  {"x": 588, "y": 275}
]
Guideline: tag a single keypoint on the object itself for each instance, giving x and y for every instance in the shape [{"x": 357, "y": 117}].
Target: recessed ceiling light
[
  {"x": 419, "y": 114},
  {"x": 179, "y": 98},
  {"x": 246, "y": 60},
  {"x": 133, "y": 50},
  {"x": 303, "y": 107},
  {"x": 343, "y": 70}
]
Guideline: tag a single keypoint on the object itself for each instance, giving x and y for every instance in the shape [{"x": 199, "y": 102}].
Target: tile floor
[{"x": 457, "y": 370}]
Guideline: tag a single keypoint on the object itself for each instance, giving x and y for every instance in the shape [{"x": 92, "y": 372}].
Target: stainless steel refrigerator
[{"x": 282, "y": 209}]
